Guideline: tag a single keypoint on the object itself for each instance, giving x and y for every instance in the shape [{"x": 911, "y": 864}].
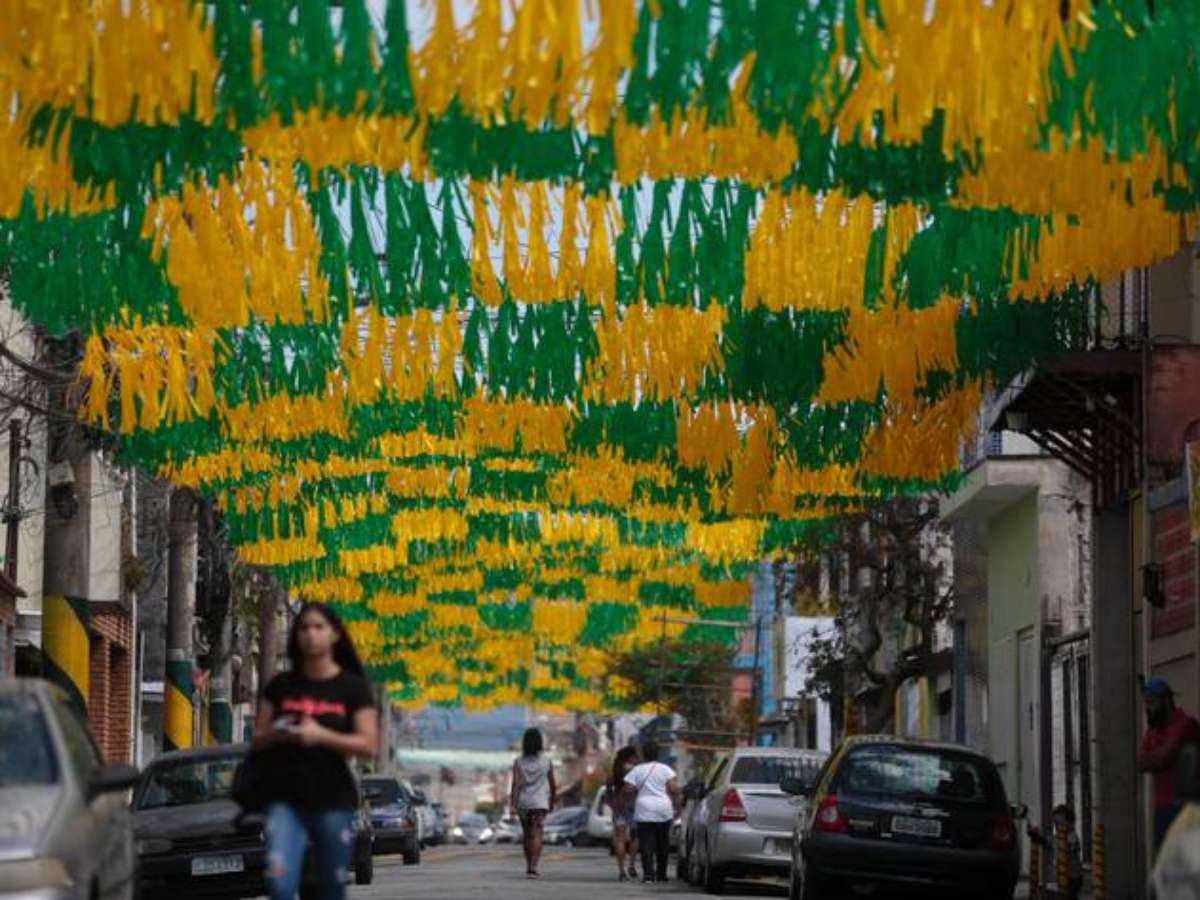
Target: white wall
[{"x": 798, "y": 632}]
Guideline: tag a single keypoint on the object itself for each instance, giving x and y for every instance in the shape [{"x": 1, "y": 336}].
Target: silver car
[
  {"x": 741, "y": 824},
  {"x": 65, "y": 827}
]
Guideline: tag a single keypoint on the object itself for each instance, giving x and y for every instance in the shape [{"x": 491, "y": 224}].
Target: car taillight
[
  {"x": 732, "y": 809},
  {"x": 1003, "y": 834},
  {"x": 830, "y": 818}
]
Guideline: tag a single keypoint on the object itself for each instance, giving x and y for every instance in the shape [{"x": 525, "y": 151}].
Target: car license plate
[
  {"x": 929, "y": 828},
  {"x": 778, "y": 847},
  {"x": 217, "y": 865}
]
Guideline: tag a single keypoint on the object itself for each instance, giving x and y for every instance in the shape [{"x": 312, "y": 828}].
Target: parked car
[
  {"x": 600, "y": 820},
  {"x": 472, "y": 828},
  {"x": 394, "y": 817},
  {"x": 194, "y": 840},
  {"x": 742, "y": 823},
  {"x": 568, "y": 826},
  {"x": 65, "y": 830},
  {"x": 443, "y": 819},
  {"x": 433, "y": 831},
  {"x": 892, "y": 811},
  {"x": 508, "y": 830}
]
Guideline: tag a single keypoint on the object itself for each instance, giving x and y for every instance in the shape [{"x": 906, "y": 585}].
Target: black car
[
  {"x": 194, "y": 841},
  {"x": 898, "y": 813},
  {"x": 393, "y": 817}
]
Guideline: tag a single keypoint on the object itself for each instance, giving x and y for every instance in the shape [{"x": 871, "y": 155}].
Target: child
[{"x": 1063, "y": 816}]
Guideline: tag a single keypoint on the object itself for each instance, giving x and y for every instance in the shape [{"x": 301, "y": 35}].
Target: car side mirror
[
  {"x": 112, "y": 779},
  {"x": 1187, "y": 773},
  {"x": 797, "y": 787},
  {"x": 1019, "y": 810}
]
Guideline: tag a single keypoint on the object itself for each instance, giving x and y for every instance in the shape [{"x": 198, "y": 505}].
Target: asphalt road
[{"x": 498, "y": 873}]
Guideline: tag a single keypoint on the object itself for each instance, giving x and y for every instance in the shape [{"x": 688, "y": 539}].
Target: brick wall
[
  {"x": 1175, "y": 552},
  {"x": 110, "y": 704}
]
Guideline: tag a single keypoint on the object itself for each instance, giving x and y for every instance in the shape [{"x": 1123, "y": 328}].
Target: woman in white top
[
  {"x": 533, "y": 795},
  {"x": 657, "y": 804}
]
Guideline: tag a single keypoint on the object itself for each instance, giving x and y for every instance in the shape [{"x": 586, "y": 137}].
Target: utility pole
[
  {"x": 268, "y": 633},
  {"x": 12, "y": 509},
  {"x": 181, "y": 606},
  {"x": 220, "y": 705},
  {"x": 66, "y": 648}
]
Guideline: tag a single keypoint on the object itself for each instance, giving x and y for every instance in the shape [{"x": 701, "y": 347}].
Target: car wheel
[
  {"x": 412, "y": 857},
  {"x": 714, "y": 877},
  {"x": 811, "y": 887},
  {"x": 364, "y": 870}
]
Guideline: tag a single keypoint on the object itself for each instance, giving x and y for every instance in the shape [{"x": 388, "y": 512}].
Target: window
[
  {"x": 26, "y": 753},
  {"x": 717, "y": 773},
  {"x": 917, "y": 773},
  {"x": 773, "y": 769},
  {"x": 81, "y": 748},
  {"x": 184, "y": 783},
  {"x": 384, "y": 791}
]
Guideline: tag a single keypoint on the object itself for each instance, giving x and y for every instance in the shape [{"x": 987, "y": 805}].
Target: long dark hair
[
  {"x": 344, "y": 653},
  {"x": 624, "y": 755},
  {"x": 531, "y": 742}
]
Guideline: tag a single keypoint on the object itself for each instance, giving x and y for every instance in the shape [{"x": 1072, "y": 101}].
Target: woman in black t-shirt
[{"x": 310, "y": 721}]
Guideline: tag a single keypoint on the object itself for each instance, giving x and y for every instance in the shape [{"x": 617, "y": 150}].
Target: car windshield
[
  {"x": 186, "y": 782},
  {"x": 472, "y": 820},
  {"x": 26, "y": 753},
  {"x": 773, "y": 769},
  {"x": 563, "y": 816},
  {"x": 918, "y": 773},
  {"x": 384, "y": 791}
]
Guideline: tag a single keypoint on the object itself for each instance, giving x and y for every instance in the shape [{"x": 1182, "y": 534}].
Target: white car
[{"x": 600, "y": 819}]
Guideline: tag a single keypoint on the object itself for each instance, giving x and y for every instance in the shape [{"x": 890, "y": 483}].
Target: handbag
[{"x": 250, "y": 784}]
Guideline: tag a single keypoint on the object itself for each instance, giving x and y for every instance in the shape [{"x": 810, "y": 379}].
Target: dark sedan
[
  {"x": 393, "y": 817},
  {"x": 194, "y": 841},
  {"x": 191, "y": 839},
  {"x": 889, "y": 812},
  {"x": 567, "y": 826}
]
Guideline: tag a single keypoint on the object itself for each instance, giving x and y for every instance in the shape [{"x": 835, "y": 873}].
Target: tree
[
  {"x": 888, "y": 571},
  {"x": 696, "y": 683}
]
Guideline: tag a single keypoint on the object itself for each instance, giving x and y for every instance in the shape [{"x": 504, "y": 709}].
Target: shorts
[
  {"x": 531, "y": 819},
  {"x": 622, "y": 821}
]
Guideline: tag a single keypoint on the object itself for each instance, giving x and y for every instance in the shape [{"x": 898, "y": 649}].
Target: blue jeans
[{"x": 331, "y": 833}]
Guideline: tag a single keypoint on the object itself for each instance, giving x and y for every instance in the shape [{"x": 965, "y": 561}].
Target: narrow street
[{"x": 497, "y": 872}]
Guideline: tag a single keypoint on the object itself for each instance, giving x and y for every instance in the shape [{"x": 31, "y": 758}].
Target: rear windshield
[
  {"x": 383, "y": 791},
  {"x": 26, "y": 754},
  {"x": 186, "y": 782},
  {"x": 773, "y": 769},
  {"x": 920, "y": 774}
]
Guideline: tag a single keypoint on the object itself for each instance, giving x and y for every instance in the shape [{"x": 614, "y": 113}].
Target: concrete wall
[{"x": 1013, "y": 592}]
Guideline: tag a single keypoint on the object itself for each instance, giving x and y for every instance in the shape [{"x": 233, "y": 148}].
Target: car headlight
[
  {"x": 31, "y": 874},
  {"x": 486, "y": 834},
  {"x": 457, "y": 832},
  {"x": 151, "y": 846}
]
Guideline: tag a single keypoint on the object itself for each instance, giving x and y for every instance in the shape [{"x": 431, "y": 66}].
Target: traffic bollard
[
  {"x": 1035, "y": 871},
  {"x": 1099, "y": 885},
  {"x": 1062, "y": 872}
]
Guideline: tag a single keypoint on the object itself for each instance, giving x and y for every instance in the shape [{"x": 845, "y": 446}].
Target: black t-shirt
[{"x": 314, "y": 778}]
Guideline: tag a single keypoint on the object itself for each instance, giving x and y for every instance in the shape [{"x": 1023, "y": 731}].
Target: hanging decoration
[{"x": 520, "y": 332}]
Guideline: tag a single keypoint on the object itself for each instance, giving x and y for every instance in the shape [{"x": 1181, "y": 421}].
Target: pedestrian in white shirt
[{"x": 657, "y": 790}]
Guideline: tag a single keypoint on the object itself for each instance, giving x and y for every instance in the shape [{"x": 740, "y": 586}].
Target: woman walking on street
[
  {"x": 310, "y": 721},
  {"x": 621, "y": 803},
  {"x": 656, "y": 788},
  {"x": 533, "y": 795}
]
